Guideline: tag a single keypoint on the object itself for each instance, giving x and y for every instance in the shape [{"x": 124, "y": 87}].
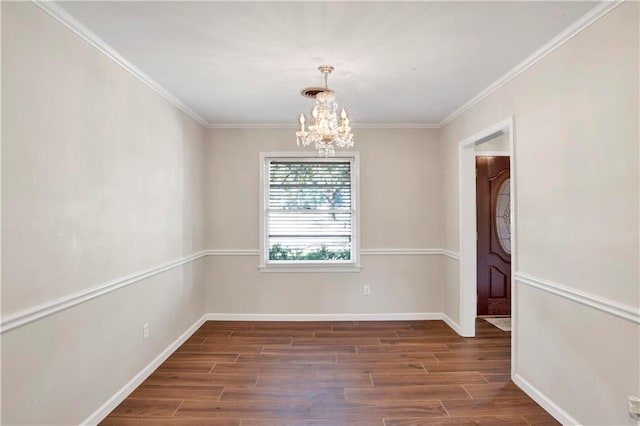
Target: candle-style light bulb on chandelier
[{"x": 324, "y": 130}]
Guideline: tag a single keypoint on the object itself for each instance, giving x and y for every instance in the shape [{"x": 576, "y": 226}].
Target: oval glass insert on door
[{"x": 502, "y": 215}]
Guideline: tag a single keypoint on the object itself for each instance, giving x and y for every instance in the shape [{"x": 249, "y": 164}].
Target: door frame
[{"x": 467, "y": 228}]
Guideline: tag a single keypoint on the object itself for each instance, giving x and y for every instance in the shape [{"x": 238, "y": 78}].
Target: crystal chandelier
[{"x": 324, "y": 129}]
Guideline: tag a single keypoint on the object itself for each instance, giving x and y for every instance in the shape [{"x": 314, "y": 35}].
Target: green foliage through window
[
  {"x": 278, "y": 252},
  {"x": 309, "y": 210}
]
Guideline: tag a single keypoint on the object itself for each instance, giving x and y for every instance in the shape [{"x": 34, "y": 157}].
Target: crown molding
[
  {"x": 60, "y": 15},
  {"x": 396, "y": 126},
  {"x": 251, "y": 126},
  {"x": 574, "y": 29},
  {"x": 294, "y": 126}
]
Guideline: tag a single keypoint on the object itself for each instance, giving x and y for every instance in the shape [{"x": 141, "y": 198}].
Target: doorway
[
  {"x": 467, "y": 151},
  {"x": 493, "y": 225}
]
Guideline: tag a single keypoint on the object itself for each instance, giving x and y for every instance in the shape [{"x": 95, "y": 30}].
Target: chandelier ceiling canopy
[{"x": 325, "y": 130}]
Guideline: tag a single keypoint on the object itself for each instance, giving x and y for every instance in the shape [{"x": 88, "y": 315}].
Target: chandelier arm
[{"x": 327, "y": 128}]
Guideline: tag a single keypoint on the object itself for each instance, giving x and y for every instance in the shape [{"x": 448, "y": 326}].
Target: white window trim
[{"x": 311, "y": 266}]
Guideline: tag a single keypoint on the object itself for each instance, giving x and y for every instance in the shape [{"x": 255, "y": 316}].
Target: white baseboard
[
  {"x": 326, "y": 317},
  {"x": 454, "y": 325},
  {"x": 551, "y": 407},
  {"x": 106, "y": 408},
  {"x": 122, "y": 394}
]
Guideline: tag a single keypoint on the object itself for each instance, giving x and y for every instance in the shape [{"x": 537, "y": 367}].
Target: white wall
[
  {"x": 400, "y": 201},
  {"x": 576, "y": 168},
  {"x": 101, "y": 178}
]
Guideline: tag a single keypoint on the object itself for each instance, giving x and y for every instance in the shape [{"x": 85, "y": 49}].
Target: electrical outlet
[
  {"x": 145, "y": 331},
  {"x": 367, "y": 290}
]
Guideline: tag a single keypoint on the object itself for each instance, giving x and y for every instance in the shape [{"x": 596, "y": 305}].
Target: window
[{"x": 309, "y": 219}]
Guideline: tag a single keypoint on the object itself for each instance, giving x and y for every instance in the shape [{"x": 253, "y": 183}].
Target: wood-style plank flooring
[{"x": 394, "y": 373}]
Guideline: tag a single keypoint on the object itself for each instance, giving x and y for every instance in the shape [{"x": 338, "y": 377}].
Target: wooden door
[{"x": 494, "y": 235}]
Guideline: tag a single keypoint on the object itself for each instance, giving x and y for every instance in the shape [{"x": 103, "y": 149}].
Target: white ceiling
[{"x": 400, "y": 63}]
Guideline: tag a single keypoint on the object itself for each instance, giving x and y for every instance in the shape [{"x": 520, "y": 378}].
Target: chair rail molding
[
  {"x": 399, "y": 251},
  {"x": 608, "y": 306},
  {"x": 232, "y": 252},
  {"x": 363, "y": 252},
  {"x": 43, "y": 310},
  {"x": 450, "y": 254},
  {"x": 35, "y": 313}
]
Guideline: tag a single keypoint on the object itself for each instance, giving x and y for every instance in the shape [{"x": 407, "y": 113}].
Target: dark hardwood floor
[{"x": 395, "y": 373}]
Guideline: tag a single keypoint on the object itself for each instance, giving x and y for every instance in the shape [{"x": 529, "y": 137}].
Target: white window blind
[{"x": 309, "y": 210}]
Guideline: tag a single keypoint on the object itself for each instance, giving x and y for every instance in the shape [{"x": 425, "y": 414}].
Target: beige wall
[
  {"x": 399, "y": 285},
  {"x": 101, "y": 178},
  {"x": 400, "y": 209},
  {"x": 576, "y": 169}
]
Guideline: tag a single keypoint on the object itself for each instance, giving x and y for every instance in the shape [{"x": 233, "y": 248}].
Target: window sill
[{"x": 311, "y": 268}]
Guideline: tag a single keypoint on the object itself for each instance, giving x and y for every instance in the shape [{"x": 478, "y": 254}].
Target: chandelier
[{"x": 324, "y": 130}]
